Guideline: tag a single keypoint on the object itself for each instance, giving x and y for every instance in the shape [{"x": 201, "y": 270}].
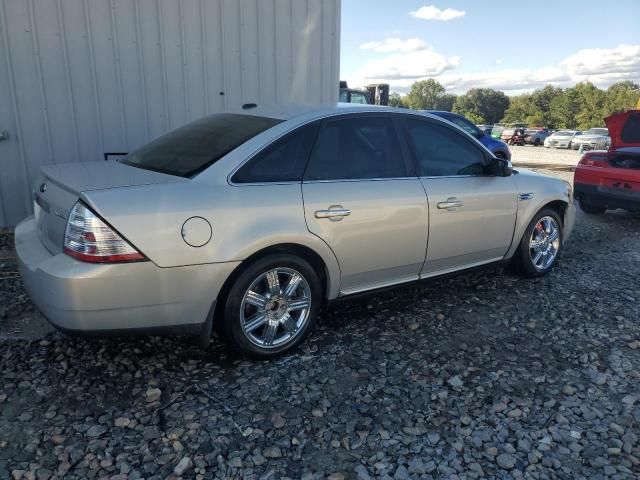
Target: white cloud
[
  {"x": 431, "y": 12},
  {"x": 499, "y": 61},
  {"x": 395, "y": 45},
  {"x": 402, "y": 69},
  {"x": 600, "y": 66}
]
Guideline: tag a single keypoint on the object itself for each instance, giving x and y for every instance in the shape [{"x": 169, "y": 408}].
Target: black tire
[
  {"x": 569, "y": 147},
  {"x": 232, "y": 330},
  {"x": 536, "y": 142},
  {"x": 591, "y": 208},
  {"x": 522, "y": 261}
]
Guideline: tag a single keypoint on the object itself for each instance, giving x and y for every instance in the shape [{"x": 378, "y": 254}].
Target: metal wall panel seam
[
  {"x": 72, "y": 107},
  {"x": 205, "y": 63},
  {"x": 163, "y": 61},
  {"x": 94, "y": 76},
  {"x": 184, "y": 62},
  {"x": 143, "y": 80},
  {"x": 242, "y": 69},
  {"x": 223, "y": 57},
  {"x": 258, "y": 66},
  {"x": 116, "y": 56},
  {"x": 16, "y": 113},
  {"x": 38, "y": 64}
]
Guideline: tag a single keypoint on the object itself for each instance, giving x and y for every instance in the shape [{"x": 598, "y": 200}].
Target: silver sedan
[{"x": 251, "y": 221}]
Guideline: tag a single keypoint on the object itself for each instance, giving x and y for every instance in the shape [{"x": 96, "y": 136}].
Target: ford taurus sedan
[{"x": 250, "y": 222}]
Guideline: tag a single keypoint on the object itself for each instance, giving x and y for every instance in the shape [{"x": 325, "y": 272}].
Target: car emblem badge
[{"x": 43, "y": 188}]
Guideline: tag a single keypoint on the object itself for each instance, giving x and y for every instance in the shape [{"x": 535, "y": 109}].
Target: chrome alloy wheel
[
  {"x": 544, "y": 243},
  {"x": 275, "y": 307}
]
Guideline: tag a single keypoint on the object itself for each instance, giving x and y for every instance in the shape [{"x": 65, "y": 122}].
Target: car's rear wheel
[
  {"x": 271, "y": 306},
  {"x": 591, "y": 208},
  {"x": 540, "y": 245}
]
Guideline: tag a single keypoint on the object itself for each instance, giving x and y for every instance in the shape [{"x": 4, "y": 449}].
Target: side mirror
[{"x": 501, "y": 167}]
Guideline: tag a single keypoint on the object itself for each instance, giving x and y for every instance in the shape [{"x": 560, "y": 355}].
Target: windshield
[
  {"x": 190, "y": 149},
  {"x": 597, "y": 131},
  {"x": 563, "y": 133}
]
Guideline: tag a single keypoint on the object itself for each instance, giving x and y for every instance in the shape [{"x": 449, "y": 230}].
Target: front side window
[
  {"x": 440, "y": 151},
  {"x": 192, "y": 148},
  {"x": 344, "y": 96},
  {"x": 283, "y": 161},
  {"x": 356, "y": 148}
]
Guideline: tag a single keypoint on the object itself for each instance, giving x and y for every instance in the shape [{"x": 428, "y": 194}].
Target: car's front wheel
[
  {"x": 540, "y": 245},
  {"x": 271, "y": 306}
]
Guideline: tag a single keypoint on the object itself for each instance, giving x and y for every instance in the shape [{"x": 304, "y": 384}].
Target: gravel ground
[{"x": 483, "y": 375}]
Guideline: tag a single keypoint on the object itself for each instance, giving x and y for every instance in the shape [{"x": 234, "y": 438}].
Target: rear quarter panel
[{"x": 244, "y": 220}]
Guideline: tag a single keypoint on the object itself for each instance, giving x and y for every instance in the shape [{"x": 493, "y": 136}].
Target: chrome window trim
[{"x": 378, "y": 179}]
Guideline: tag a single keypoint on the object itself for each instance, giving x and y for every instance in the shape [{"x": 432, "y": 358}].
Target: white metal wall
[{"x": 79, "y": 78}]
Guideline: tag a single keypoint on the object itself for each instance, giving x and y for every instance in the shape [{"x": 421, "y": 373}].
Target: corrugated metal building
[{"x": 81, "y": 78}]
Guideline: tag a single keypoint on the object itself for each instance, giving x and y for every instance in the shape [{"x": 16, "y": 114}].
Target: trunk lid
[
  {"x": 58, "y": 188},
  {"x": 624, "y": 129}
]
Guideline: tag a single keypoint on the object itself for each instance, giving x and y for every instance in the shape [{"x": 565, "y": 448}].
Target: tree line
[{"x": 580, "y": 107}]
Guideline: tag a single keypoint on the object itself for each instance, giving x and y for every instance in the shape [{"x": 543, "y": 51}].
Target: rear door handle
[
  {"x": 451, "y": 202},
  {"x": 334, "y": 212}
]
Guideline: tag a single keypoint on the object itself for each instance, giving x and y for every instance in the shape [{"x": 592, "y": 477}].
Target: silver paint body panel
[{"x": 394, "y": 232}]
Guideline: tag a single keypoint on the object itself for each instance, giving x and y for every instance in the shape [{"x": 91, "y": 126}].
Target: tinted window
[
  {"x": 284, "y": 161},
  {"x": 344, "y": 96},
  {"x": 461, "y": 122},
  {"x": 190, "y": 149},
  {"x": 440, "y": 151},
  {"x": 362, "y": 147}
]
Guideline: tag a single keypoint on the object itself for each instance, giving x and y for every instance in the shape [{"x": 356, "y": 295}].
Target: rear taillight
[
  {"x": 591, "y": 160},
  {"x": 88, "y": 238}
]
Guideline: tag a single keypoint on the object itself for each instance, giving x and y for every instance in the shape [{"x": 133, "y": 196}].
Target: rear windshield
[{"x": 190, "y": 149}]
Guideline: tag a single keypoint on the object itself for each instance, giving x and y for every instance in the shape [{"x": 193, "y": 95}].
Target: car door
[
  {"x": 360, "y": 199},
  {"x": 472, "y": 213}
]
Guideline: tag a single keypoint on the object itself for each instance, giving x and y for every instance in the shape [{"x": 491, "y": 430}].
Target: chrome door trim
[{"x": 380, "y": 179}]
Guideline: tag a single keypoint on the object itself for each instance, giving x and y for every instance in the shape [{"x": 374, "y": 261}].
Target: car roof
[{"x": 290, "y": 111}]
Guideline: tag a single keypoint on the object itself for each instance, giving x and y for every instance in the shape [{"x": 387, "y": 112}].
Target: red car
[{"x": 611, "y": 179}]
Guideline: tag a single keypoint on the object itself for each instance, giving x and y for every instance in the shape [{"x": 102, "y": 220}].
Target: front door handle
[
  {"x": 451, "y": 202},
  {"x": 334, "y": 212}
]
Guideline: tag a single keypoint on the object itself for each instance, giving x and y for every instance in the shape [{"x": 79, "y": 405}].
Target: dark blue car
[{"x": 497, "y": 147}]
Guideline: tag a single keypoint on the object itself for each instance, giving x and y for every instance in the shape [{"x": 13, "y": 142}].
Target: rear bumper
[
  {"x": 608, "y": 197},
  {"x": 125, "y": 298}
]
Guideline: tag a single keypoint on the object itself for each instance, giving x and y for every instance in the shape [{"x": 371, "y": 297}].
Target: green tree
[
  {"x": 521, "y": 109},
  {"x": 564, "y": 109},
  {"x": 592, "y": 111},
  {"x": 621, "y": 96},
  {"x": 542, "y": 100},
  {"x": 429, "y": 95},
  {"x": 482, "y": 105},
  {"x": 396, "y": 100}
]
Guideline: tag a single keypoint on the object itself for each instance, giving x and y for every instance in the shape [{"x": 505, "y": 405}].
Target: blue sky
[{"x": 511, "y": 46}]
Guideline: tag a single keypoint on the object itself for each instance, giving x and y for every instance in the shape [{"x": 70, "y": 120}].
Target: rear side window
[
  {"x": 440, "y": 151},
  {"x": 283, "y": 161},
  {"x": 192, "y": 148},
  {"x": 631, "y": 130},
  {"x": 356, "y": 148}
]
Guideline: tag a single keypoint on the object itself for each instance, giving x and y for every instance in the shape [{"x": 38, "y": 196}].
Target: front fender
[{"x": 544, "y": 190}]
